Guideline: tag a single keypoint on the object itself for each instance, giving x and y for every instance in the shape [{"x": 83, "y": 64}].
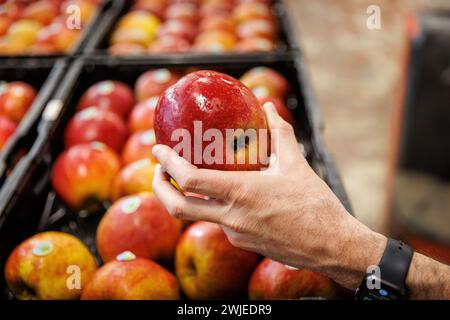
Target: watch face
[{"x": 369, "y": 291}]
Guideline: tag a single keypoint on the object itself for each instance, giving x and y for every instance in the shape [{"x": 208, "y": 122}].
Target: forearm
[
  {"x": 357, "y": 250},
  {"x": 428, "y": 279}
]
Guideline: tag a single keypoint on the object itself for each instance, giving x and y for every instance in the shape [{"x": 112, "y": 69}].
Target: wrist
[{"x": 358, "y": 249}]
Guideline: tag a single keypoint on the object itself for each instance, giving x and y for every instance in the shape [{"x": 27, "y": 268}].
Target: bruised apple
[
  {"x": 85, "y": 172},
  {"x": 40, "y": 267},
  {"x": 114, "y": 96},
  {"x": 138, "y": 223},
  {"x": 94, "y": 124},
  {"x": 209, "y": 267},
  {"x": 215, "y": 118},
  {"x": 273, "y": 280},
  {"x": 131, "y": 278},
  {"x": 134, "y": 178}
]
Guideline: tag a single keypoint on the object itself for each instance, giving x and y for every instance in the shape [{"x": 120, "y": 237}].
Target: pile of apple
[
  {"x": 16, "y": 98},
  {"x": 43, "y": 26},
  {"x": 146, "y": 253},
  {"x": 160, "y": 26}
]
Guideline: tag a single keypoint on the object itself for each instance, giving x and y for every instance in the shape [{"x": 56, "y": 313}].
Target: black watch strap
[{"x": 394, "y": 264}]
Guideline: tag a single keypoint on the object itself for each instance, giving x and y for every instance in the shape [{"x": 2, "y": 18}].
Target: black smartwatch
[{"x": 387, "y": 280}]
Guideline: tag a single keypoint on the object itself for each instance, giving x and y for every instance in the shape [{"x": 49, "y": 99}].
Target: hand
[{"x": 286, "y": 213}]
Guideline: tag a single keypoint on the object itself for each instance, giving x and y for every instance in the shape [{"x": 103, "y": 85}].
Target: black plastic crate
[
  {"x": 99, "y": 40},
  {"x": 44, "y": 78},
  {"x": 88, "y": 30},
  {"x": 29, "y": 204}
]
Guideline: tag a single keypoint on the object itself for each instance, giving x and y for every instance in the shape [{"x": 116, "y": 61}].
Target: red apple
[
  {"x": 15, "y": 99},
  {"x": 209, "y": 267},
  {"x": 41, "y": 267},
  {"x": 131, "y": 278},
  {"x": 7, "y": 128},
  {"x": 114, "y": 96},
  {"x": 139, "y": 146},
  {"x": 221, "y": 22},
  {"x": 219, "y": 102},
  {"x": 281, "y": 107},
  {"x": 94, "y": 124},
  {"x": 157, "y": 8},
  {"x": 85, "y": 172},
  {"x": 215, "y": 8},
  {"x": 215, "y": 41},
  {"x": 153, "y": 82},
  {"x": 41, "y": 11},
  {"x": 170, "y": 44},
  {"x": 5, "y": 22},
  {"x": 182, "y": 11},
  {"x": 251, "y": 10},
  {"x": 255, "y": 45},
  {"x": 134, "y": 178},
  {"x": 58, "y": 36},
  {"x": 266, "y": 82},
  {"x": 126, "y": 49},
  {"x": 141, "y": 117},
  {"x": 273, "y": 280},
  {"x": 138, "y": 223},
  {"x": 262, "y": 28},
  {"x": 178, "y": 28}
]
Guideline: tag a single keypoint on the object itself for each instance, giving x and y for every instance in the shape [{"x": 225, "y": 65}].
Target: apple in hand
[
  {"x": 209, "y": 267},
  {"x": 39, "y": 268},
  {"x": 266, "y": 82},
  {"x": 138, "y": 223},
  {"x": 7, "y": 128},
  {"x": 114, "y": 96},
  {"x": 281, "y": 107},
  {"x": 153, "y": 82},
  {"x": 141, "y": 117},
  {"x": 85, "y": 172},
  {"x": 139, "y": 146},
  {"x": 134, "y": 178},
  {"x": 273, "y": 280},
  {"x": 94, "y": 124},
  {"x": 216, "y": 101},
  {"x": 131, "y": 278},
  {"x": 15, "y": 99}
]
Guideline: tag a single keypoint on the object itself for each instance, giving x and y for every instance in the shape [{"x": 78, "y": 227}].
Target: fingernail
[
  {"x": 269, "y": 106},
  {"x": 156, "y": 149}
]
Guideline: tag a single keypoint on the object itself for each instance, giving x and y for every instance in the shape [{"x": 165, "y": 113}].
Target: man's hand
[{"x": 286, "y": 213}]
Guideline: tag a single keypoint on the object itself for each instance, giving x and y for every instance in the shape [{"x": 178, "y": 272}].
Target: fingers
[
  {"x": 182, "y": 207},
  {"x": 284, "y": 144},
  {"x": 212, "y": 183}
]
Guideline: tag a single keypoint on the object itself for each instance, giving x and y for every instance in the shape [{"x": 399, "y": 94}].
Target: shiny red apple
[
  {"x": 95, "y": 124},
  {"x": 153, "y": 82},
  {"x": 7, "y": 128},
  {"x": 209, "y": 267},
  {"x": 114, "y": 96},
  {"x": 141, "y": 117},
  {"x": 85, "y": 172},
  {"x": 131, "y": 278},
  {"x": 266, "y": 82},
  {"x": 139, "y": 146},
  {"x": 138, "y": 223},
  {"x": 206, "y": 100},
  {"x": 15, "y": 99}
]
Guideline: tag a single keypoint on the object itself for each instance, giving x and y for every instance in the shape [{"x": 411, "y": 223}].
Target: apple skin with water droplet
[
  {"x": 218, "y": 102},
  {"x": 37, "y": 268}
]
